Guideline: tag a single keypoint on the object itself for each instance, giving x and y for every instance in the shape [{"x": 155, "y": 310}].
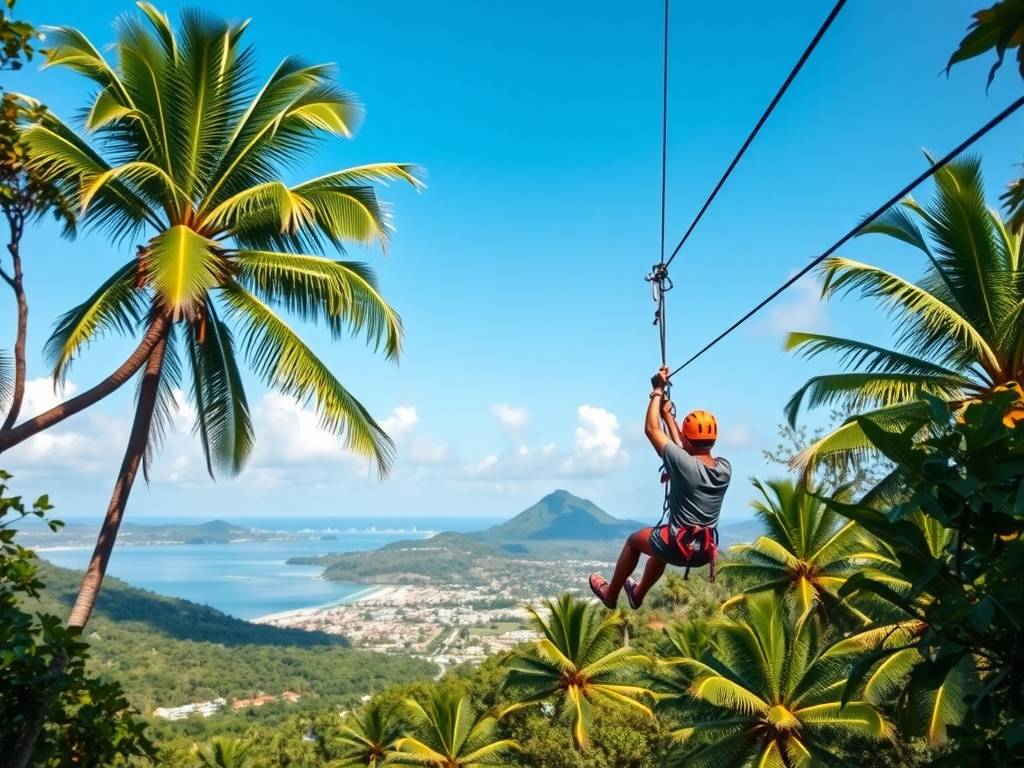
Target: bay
[{"x": 248, "y": 579}]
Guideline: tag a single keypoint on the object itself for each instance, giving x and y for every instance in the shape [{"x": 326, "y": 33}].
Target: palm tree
[
  {"x": 808, "y": 553},
  {"x": 450, "y": 735},
  {"x": 927, "y": 705},
  {"x": 765, "y": 695},
  {"x": 191, "y": 154},
  {"x": 578, "y": 662},
  {"x": 959, "y": 329},
  {"x": 224, "y": 753},
  {"x": 368, "y": 737}
]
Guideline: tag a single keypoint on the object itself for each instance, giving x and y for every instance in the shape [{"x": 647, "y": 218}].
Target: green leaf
[
  {"x": 182, "y": 267},
  {"x": 288, "y": 365},
  {"x": 223, "y": 421}
]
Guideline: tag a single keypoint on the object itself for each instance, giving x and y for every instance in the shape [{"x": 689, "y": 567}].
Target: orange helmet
[{"x": 700, "y": 426}]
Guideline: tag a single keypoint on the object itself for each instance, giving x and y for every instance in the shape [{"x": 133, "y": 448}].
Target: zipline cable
[
  {"x": 658, "y": 277},
  {"x": 935, "y": 168},
  {"x": 757, "y": 128}
]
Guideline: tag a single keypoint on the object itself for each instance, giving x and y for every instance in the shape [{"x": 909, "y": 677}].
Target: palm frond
[
  {"x": 115, "y": 306},
  {"x": 341, "y": 293},
  {"x": 866, "y": 357},
  {"x": 223, "y": 421},
  {"x": 182, "y": 268},
  {"x": 855, "y": 391},
  {"x": 59, "y": 156},
  {"x": 67, "y": 47},
  {"x": 930, "y": 320},
  {"x": 847, "y": 442},
  {"x": 6, "y": 379},
  {"x": 166, "y": 407},
  {"x": 288, "y": 365}
]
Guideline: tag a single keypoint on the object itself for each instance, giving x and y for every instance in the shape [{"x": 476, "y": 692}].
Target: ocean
[{"x": 251, "y": 579}]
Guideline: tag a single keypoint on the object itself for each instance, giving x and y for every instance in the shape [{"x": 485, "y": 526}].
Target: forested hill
[
  {"x": 558, "y": 526},
  {"x": 167, "y": 651},
  {"x": 560, "y": 516}
]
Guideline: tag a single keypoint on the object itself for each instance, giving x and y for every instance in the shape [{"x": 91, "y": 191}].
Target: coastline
[{"x": 371, "y": 592}]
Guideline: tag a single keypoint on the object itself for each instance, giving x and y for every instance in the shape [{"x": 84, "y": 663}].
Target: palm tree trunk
[
  {"x": 18, "y": 286},
  {"x": 136, "y": 449},
  {"x": 93, "y": 578},
  {"x": 11, "y": 437}
]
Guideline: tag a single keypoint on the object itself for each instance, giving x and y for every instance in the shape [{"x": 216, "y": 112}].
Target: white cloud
[
  {"x": 86, "y": 443},
  {"x": 401, "y": 422},
  {"x": 41, "y": 395},
  {"x": 424, "y": 451},
  {"x": 805, "y": 311},
  {"x": 513, "y": 419},
  {"x": 598, "y": 448},
  {"x": 597, "y": 451}
]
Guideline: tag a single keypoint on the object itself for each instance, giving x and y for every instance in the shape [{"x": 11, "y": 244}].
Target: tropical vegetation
[
  {"x": 188, "y": 154},
  {"x": 577, "y": 664},
  {"x": 765, "y": 692},
  {"x": 808, "y": 552},
  {"x": 958, "y": 329},
  {"x": 89, "y": 721},
  {"x": 224, "y": 753},
  {"x": 448, "y": 734},
  {"x": 369, "y": 737},
  {"x": 883, "y": 629}
]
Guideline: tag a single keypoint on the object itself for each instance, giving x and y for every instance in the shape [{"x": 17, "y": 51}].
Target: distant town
[{"x": 448, "y": 624}]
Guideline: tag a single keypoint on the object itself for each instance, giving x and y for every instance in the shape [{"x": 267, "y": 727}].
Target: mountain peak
[{"x": 561, "y": 515}]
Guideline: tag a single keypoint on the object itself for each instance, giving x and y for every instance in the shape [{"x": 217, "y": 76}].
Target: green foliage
[
  {"x": 25, "y": 194},
  {"x": 449, "y": 734},
  {"x": 999, "y": 28},
  {"x": 765, "y": 691},
  {"x": 369, "y": 736},
  {"x": 166, "y": 652},
  {"x": 188, "y": 148},
  {"x": 43, "y": 666},
  {"x": 224, "y": 753},
  {"x": 576, "y": 664},
  {"x": 16, "y": 39},
  {"x": 958, "y": 540},
  {"x": 808, "y": 553},
  {"x": 958, "y": 329}
]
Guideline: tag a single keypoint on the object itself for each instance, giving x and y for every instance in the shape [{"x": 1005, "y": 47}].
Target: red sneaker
[
  {"x": 599, "y": 586},
  {"x": 630, "y": 587}
]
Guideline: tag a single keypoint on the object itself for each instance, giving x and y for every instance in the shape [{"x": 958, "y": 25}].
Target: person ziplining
[{"x": 697, "y": 482}]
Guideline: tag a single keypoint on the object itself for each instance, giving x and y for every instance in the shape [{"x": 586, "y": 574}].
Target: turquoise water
[{"x": 244, "y": 579}]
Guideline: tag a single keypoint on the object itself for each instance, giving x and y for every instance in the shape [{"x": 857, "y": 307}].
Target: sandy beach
[{"x": 370, "y": 593}]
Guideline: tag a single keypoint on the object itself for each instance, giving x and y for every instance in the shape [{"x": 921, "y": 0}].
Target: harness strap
[{"x": 708, "y": 536}]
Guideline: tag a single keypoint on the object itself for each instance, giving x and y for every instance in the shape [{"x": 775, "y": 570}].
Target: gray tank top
[{"x": 696, "y": 490}]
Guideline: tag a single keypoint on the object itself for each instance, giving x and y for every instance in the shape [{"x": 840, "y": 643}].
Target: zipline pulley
[{"x": 661, "y": 284}]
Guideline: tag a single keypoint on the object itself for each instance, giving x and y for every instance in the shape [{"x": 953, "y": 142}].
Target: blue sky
[{"x": 519, "y": 270}]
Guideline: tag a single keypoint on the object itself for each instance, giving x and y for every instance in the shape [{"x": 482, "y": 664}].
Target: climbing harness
[{"x": 707, "y": 535}]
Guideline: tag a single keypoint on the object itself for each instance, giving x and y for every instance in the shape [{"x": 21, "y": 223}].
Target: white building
[{"x": 201, "y": 708}]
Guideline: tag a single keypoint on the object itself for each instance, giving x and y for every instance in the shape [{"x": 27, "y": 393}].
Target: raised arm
[{"x": 652, "y": 422}]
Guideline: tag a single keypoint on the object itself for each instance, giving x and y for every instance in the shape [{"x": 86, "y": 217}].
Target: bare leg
[
  {"x": 652, "y": 572},
  {"x": 636, "y": 545}
]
